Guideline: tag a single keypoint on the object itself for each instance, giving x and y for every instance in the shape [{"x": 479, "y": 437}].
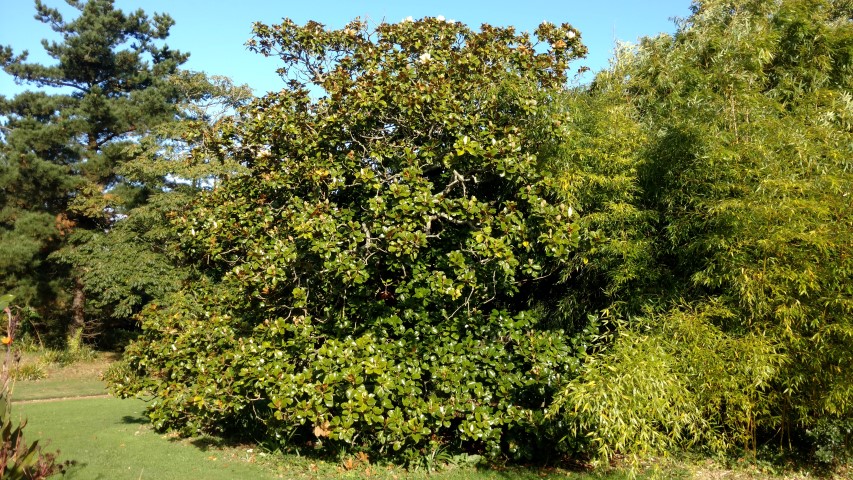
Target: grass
[
  {"x": 55, "y": 388},
  {"x": 75, "y": 380},
  {"x": 110, "y": 439},
  {"x": 311, "y": 469}
]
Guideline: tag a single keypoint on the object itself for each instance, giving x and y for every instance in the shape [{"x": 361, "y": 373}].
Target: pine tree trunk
[{"x": 78, "y": 316}]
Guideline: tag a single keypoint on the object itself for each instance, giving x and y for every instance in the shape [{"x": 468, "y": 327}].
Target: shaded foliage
[{"x": 91, "y": 168}]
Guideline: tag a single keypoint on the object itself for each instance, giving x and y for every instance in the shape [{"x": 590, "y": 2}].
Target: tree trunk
[{"x": 78, "y": 316}]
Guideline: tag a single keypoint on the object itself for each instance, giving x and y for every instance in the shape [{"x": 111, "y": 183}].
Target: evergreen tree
[
  {"x": 62, "y": 152},
  {"x": 174, "y": 161}
]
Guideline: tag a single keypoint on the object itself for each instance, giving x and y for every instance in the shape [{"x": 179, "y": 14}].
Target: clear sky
[{"x": 214, "y": 31}]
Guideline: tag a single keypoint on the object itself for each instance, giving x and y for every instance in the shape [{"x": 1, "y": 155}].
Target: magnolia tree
[{"x": 380, "y": 278}]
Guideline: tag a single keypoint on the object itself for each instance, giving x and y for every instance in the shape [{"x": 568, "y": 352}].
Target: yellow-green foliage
[
  {"x": 670, "y": 382},
  {"x": 631, "y": 400},
  {"x": 746, "y": 167},
  {"x": 29, "y": 371}
]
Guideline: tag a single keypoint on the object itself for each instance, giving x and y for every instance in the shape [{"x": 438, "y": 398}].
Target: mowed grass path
[{"x": 76, "y": 380}]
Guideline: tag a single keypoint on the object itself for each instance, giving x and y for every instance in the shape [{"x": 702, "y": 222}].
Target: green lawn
[
  {"x": 75, "y": 380},
  {"x": 48, "y": 388},
  {"x": 110, "y": 439}
]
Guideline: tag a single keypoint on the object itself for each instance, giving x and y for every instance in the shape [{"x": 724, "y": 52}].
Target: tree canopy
[
  {"x": 378, "y": 276},
  {"x": 72, "y": 154}
]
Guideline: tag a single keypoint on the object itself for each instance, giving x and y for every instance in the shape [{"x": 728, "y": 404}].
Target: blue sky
[{"x": 214, "y": 31}]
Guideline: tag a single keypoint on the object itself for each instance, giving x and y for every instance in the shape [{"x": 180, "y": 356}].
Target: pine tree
[{"x": 62, "y": 152}]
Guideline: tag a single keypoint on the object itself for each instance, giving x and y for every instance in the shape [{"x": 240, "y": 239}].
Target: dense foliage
[
  {"x": 70, "y": 163},
  {"x": 747, "y": 168},
  {"x": 61, "y": 151},
  {"x": 425, "y": 243},
  {"x": 381, "y": 277}
]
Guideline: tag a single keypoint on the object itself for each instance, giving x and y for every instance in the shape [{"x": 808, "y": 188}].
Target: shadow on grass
[
  {"x": 76, "y": 471},
  {"x": 207, "y": 442},
  {"x": 134, "y": 419},
  {"x": 203, "y": 442}
]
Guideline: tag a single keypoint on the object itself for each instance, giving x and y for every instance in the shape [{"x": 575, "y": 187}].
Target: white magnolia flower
[
  {"x": 571, "y": 34},
  {"x": 425, "y": 57},
  {"x": 409, "y": 19},
  {"x": 440, "y": 18}
]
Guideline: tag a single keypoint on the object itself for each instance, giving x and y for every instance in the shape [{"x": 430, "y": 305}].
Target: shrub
[
  {"x": 29, "y": 371},
  {"x": 67, "y": 356},
  {"x": 745, "y": 166},
  {"x": 832, "y": 440},
  {"x": 669, "y": 382},
  {"x": 382, "y": 277},
  {"x": 119, "y": 374}
]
